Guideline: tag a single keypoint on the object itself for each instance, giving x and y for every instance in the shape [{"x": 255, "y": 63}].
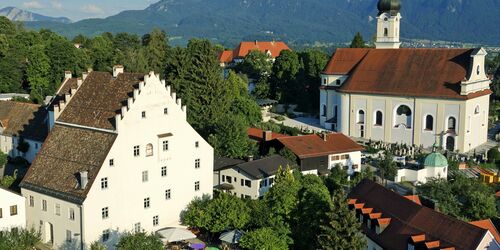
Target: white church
[{"x": 405, "y": 95}]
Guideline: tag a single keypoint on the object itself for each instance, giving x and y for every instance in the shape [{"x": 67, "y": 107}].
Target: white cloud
[
  {"x": 57, "y": 5},
  {"x": 92, "y": 9},
  {"x": 32, "y": 5}
]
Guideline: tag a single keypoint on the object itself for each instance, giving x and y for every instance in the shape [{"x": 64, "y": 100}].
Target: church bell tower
[{"x": 388, "y": 22}]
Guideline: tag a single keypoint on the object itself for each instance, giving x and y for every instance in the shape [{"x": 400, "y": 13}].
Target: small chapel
[{"x": 420, "y": 97}]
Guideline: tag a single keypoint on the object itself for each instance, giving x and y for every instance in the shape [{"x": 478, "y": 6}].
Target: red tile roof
[
  {"x": 487, "y": 224},
  {"x": 258, "y": 134},
  {"x": 307, "y": 146},
  {"x": 226, "y": 56},
  {"x": 414, "y": 198},
  {"x": 433, "y": 73},
  {"x": 274, "y": 47}
]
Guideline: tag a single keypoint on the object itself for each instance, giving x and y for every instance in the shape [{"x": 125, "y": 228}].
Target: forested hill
[{"x": 299, "y": 21}]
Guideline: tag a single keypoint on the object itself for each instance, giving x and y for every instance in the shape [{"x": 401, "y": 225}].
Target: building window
[
  {"x": 146, "y": 202},
  {"x": 452, "y": 124},
  {"x": 403, "y": 117},
  {"x": 379, "y": 117},
  {"x": 196, "y": 144},
  {"x": 271, "y": 181},
  {"x": 144, "y": 176},
  {"x": 44, "y": 205},
  {"x": 1, "y": 214},
  {"x": 156, "y": 220},
  {"x": 149, "y": 149},
  {"x": 338, "y": 82},
  {"x": 324, "y": 81},
  {"x": 386, "y": 32},
  {"x": 72, "y": 214},
  {"x": 324, "y": 110},
  {"x": 68, "y": 236},
  {"x": 476, "y": 110},
  {"x": 136, "y": 151},
  {"x": 164, "y": 171},
  {"x": 197, "y": 163},
  {"x": 105, "y": 213},
  {"x": 143, "y": 114},
  {"x": 104, "y": 183},
  {"x": 137, "y": 227},
  {"x": 229, "y": 179},
  {"x": 32, "y": 201},
  {"x": 165, "y": 145},
  {"x": 361, "y": 117},
  {"x": 58, "y": 209},
  {"x": 263, "y": 183},
  {"x": 165, "y": 111},
  {"x": 105, "y": 235},
  {"x": 248, "y": 183},
  {"x": 167, "y": 194},
  {"x": 13, "y": 210},
  {"x": 197, "y": 186},
  {"x": 111, "y": 162},
  {"x": 429, "y": 123}
]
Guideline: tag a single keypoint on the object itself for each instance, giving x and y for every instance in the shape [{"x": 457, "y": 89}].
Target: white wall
[
  {"x": 355, "y": 157},
  {"x": 8, "y": 199}
]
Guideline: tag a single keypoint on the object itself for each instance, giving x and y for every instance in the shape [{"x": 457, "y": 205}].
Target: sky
[{"x": 77, "y": 9}]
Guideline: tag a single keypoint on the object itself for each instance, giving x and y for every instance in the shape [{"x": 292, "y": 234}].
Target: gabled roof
[
  {"x": 225, "y": 56},
  {"x": 314, "y": 145},
  {"x": 268, "y": 166},
  {"x": 258, "y": 134},
  {"x": 224, "y": 162},
  {"x": 487, "y": 224},
  {"x": 66, "y": 152},
  {"x": 99, "y": 99},
  {"x": 434, "y": 73},
  {"x": 409, "y": 219},
  {"x": 23, "y": 119},
  {"x": 273, "y": 47},
  {"x": 414, "y": 198}
]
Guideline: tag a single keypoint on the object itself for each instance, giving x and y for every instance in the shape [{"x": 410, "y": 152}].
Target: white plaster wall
[
  {"x": 8, "y": 199},
  {"x": 488, "y": 243},
  {"x": 354, "y": 156},
  {"x": 476, "y": 132},
  {"x": 236, "y": 177},
  {"x": 126, "y": 191}
]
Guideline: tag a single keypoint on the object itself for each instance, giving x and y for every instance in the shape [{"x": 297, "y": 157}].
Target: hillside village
[{"x": 121, "y": 142}]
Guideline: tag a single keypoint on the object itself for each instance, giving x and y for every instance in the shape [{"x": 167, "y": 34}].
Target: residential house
[
  {"x": 405, "y": 95},
  {"x": 251, "y": 179},
  {"x": 318, "y": 153},
  {"x": 12, "y": 210},
  {"x": 271, "y": 48},
  {"x": 121, "y": 157},
  {"x": 391, "y": 221},
  {"x": 22, "y": 123}
]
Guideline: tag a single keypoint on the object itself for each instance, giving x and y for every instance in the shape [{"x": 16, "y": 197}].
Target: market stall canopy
[
  {"x": 232, "y": 236},
  {"x": 174, "y": 234}
]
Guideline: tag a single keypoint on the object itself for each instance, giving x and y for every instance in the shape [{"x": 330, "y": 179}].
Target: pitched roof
[
  {"x": 410, "y": 219},
  {"x": 414, "y": 198},
  {"x": 23, "y": 119},
  {"x": 258, "y": 134},
  {"x": 66, "y": 152},
  {"x": 313, "y": 145},
  {"x": 99, "y": 99},
  {"x": 224, "y": 162},
  {"x": 225, "y": 56},
  {"x": 435, "y": 73},
  {"x": 264, "y": 167},
  {"x": 487, "y": 224},
  {"x": 274, "y": 47}
]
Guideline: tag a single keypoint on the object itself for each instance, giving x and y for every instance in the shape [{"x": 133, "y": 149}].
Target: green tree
[
  {"x": 38, "y": 71},
  {"x": 19, "y": 239},
  {"x": 263, "y": 238},
  {"x": 227, "y": 212},
  {"x": 8, "y": 180},
  {"x": 284, "y": 85},
  {"x": 96, "y": 245},
  {"x": 156, "y": 50},
  {"x": 256, "y": 65},
  {"x": 343, "y": 229},
  {"x": 230, "y": 137},
  {"x": 140, "y": 241},
  {"x": 314, "y": 62},
  {"x": 102, "y": 53},
  {"x": 358, "y": 41},
  {"x": 442, "y": 192},
  {"x": 288, "y": 154},
  {"x": 3, "y": 159},
  {"x": 387, "y": 167},
  {"x": 493, "y": 155},
  {"x": 195, "y": 214}
]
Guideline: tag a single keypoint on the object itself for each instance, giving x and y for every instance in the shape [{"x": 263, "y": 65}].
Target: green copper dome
[
  {"x": 391, "y": 6},
  {"x": 435, "y": 160}
]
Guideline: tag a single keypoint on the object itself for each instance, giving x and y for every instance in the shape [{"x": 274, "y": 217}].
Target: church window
[
  {"x": 386, "y": 32},
  {"x": 403, "y": 116},
  {"x": 149, "y": 149},
  {"x": 378, "y": 118},
  {"x": 324, "y": 110},
  {"x": 476, "y": 111},
  {"x": 361, "y": 117},
  {"x": 452, "y": 124},
  {"x": 429, "y": 122},
  {"x": 478, "y": 69}
]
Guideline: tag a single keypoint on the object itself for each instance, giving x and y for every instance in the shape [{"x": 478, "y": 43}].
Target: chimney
[
  {"x": 84, "y": 75},
  {"x": 84, "y": 179},
  {"x": 324, "y": 136},
  {"x": 117, "y": 69},
  {"x": 255, "y": 42},
  {"x": 68, "y": 75},
  {"x": 250, "y": 158},
  {"x": 267, "y": 135}
]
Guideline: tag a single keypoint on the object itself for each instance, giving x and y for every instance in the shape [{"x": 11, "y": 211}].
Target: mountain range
[
  {"x": 15, "y": 14},
  {"x": 296, "y": 21}
]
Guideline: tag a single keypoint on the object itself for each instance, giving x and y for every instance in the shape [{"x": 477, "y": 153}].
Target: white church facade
[
  {"x": 121, "y": 157},
  {"x": 411, "y": 96}
]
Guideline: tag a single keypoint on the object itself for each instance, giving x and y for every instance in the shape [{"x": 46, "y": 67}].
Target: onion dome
[
  {"x": 435, "y": 160},
  {"x": 390, "y": 6}
]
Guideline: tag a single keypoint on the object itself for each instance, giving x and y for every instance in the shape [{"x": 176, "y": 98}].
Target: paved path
[{"x": 304, "y": 123}]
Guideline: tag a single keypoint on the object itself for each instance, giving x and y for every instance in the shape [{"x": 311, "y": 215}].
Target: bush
[
  {"x": 7, "y": 180},
  {"x": 97, "y": 246},
  {"x": 493, "y": 155},
  {"x": 19, "y": 239},
  {"x": 279, "y": 118},
  {"x": 140, "y": 241},
  {"x": 263, "y": 238},
  {"x": 3, "y": 159}
]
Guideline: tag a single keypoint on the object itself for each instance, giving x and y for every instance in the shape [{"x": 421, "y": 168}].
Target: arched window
[
  {"x": 429, "y": 122},
  {"x": 361, "y": 117},
  {"x": 403, "y": 117},
  {"x": 452, "y": 123},
  {"x": 324, "y": 81},
  {"x": 386, "y": 32},
  {"x": 476, "y": 110},
  {"x": 324, "y": 110},
  {"x": 379, "y": 117},
  {"x": 149, "y": 149},
  {"x": 450, "y": 143}
]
